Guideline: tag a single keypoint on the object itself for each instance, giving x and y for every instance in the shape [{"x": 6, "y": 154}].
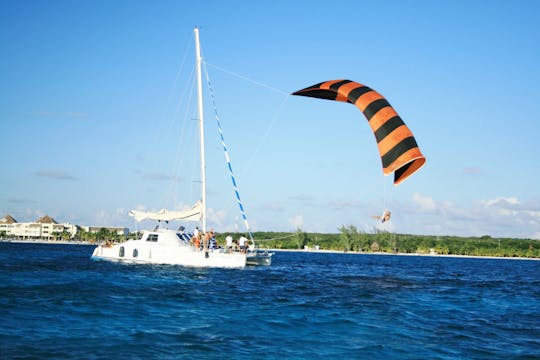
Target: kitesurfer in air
[{"x": 384, "y": 217}]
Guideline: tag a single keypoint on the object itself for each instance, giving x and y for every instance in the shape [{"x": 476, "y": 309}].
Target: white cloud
[
  {"x": 345, "y": 204},
  {"x": 273, "y": 206},
  {"x": 425, "y": 203},
  {"x": 302, "y": 197},
  {"x": 55, "y": 175},
  {"x": 386, "y": 226},
  {"x": 161, "y": 177},
  {"x": 498, "y": 217},
  {"x": 115, "y": 217},
  {"x": 56, "y": 114},
  {"x": 18, "y": 200},
  {"x": 533, "y": 213},
  {"x": 501, "y": 201},
  {"x": 304, "y": 200},
  {"x": 217, "y": 219},
  {"x": 297, "y": 221},
  {"x": 140, "y": 207},
  {"x": 473, "y": 171}
]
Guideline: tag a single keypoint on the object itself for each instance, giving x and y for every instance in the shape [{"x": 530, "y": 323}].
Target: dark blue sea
[{"x": 57, "y": 303}]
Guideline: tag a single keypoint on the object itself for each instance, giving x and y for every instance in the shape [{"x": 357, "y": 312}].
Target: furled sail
[
  {"x": 398, "y": 148},
  {"x": 193, "y": 214}
]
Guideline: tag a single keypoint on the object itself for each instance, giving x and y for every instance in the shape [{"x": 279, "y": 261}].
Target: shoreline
[
  {"x": 49, "y": 242},
  {"x": 322, "y": 251},
  {"x": 404, "y": 254}
]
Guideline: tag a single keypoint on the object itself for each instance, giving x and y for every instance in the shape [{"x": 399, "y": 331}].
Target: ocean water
[{"x": 57, "y": 303}]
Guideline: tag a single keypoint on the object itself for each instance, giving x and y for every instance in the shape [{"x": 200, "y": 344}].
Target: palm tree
[
  {"x": 348, "y": 234},
  {"x": 102, "y": 234},
  {"x": 301, "y": 238},
  {"x": 65, "y": 235}
]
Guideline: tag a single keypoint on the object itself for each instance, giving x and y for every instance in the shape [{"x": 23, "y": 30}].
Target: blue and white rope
[{"x": 227, "y": 158}]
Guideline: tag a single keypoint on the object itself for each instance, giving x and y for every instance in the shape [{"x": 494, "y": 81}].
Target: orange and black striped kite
[{"x": 398, "y": 148}]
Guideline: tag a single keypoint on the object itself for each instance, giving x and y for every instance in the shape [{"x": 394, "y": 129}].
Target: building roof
[
  {"x": 8, "y": 219},
  {"x": 46, "y": 220}
]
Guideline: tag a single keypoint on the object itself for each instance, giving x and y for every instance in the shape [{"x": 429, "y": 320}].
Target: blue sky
[{"x": 96, "y": 120}]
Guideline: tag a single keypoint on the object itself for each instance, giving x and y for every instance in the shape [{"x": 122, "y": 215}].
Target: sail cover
[{"x": 193, "y": 214}]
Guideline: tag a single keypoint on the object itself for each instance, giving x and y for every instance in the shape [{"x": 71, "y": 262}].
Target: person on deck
[
  {"x": 228, "y": 242},
  {"x": 213, "y": 242},
  {"x": 243, "y": 243},
  {"x": 206, "y": 239},
  {"x": 196, "y": 241}
]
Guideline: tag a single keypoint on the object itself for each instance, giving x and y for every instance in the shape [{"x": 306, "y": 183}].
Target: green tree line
[
  {"x": 350, "y": 238},
  {"x": 101, "y": 235}
]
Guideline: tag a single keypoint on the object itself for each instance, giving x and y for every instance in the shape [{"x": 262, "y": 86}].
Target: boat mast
[{"x": 201, "y": 127}]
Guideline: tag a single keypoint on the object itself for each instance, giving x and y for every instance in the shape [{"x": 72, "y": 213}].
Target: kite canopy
[{"x": 398, "y": 148}]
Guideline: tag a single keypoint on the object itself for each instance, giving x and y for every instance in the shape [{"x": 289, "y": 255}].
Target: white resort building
[
  {"x": 44, "y": 228},
  {"x": 49, "y": 229}
]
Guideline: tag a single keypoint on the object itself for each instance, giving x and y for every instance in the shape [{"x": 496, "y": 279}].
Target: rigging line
[
  {"x": 187, "y": 48},
  {"x": 165, "y": 125},
  {"x": 389, "y": 192},
  {"x": 188, "y": 89},
  {"x": 168, "y": 200},
  {"x": 248, "y": 79},
  {"x": 180, "y": 69},
  {"x": 272, "y": 121},
  {"x": 384, "y": 193},
  {"x": 266, "y": 134},
  {"x": 182, "y": 143},
  {"x": 391, "y": 196},
  {"x": 278, "y": 238},
  {"x": 187, "y": 95},
  {"x": 227, "y": 158},
  {"x": 165, "y": 128}
]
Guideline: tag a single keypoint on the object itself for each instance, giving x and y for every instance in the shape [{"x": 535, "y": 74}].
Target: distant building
[
  {"x": 47, "y": 228},
  {"x": 7, "y": 223},
  {"x": 117, "y": 230},
  {"x": 44, "y": 228}
]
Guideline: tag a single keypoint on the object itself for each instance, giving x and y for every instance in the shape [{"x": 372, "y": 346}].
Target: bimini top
[{"x": 193, "y": 214}]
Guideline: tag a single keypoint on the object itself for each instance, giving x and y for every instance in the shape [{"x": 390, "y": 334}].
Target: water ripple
[{"x": 56, "y": 303}]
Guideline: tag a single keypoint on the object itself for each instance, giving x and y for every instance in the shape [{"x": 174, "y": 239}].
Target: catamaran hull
[
  {"x": 259, "y": 259},
  {"x": 184, "y": 256}
]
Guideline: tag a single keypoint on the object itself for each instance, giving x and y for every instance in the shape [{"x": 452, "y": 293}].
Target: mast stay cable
[{"x": 227, "y": 158}]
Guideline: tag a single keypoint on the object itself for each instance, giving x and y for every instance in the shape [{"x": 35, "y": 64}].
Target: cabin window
[
  {"x": 121, "y": 253},
  {"x": 135, "y": 253},
  {"x": 152, "y": 237},
  {"x": 183, "y": 237}
]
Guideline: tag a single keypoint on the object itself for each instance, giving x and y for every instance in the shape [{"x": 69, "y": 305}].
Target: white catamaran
[{"x": 166, "y": 246}]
